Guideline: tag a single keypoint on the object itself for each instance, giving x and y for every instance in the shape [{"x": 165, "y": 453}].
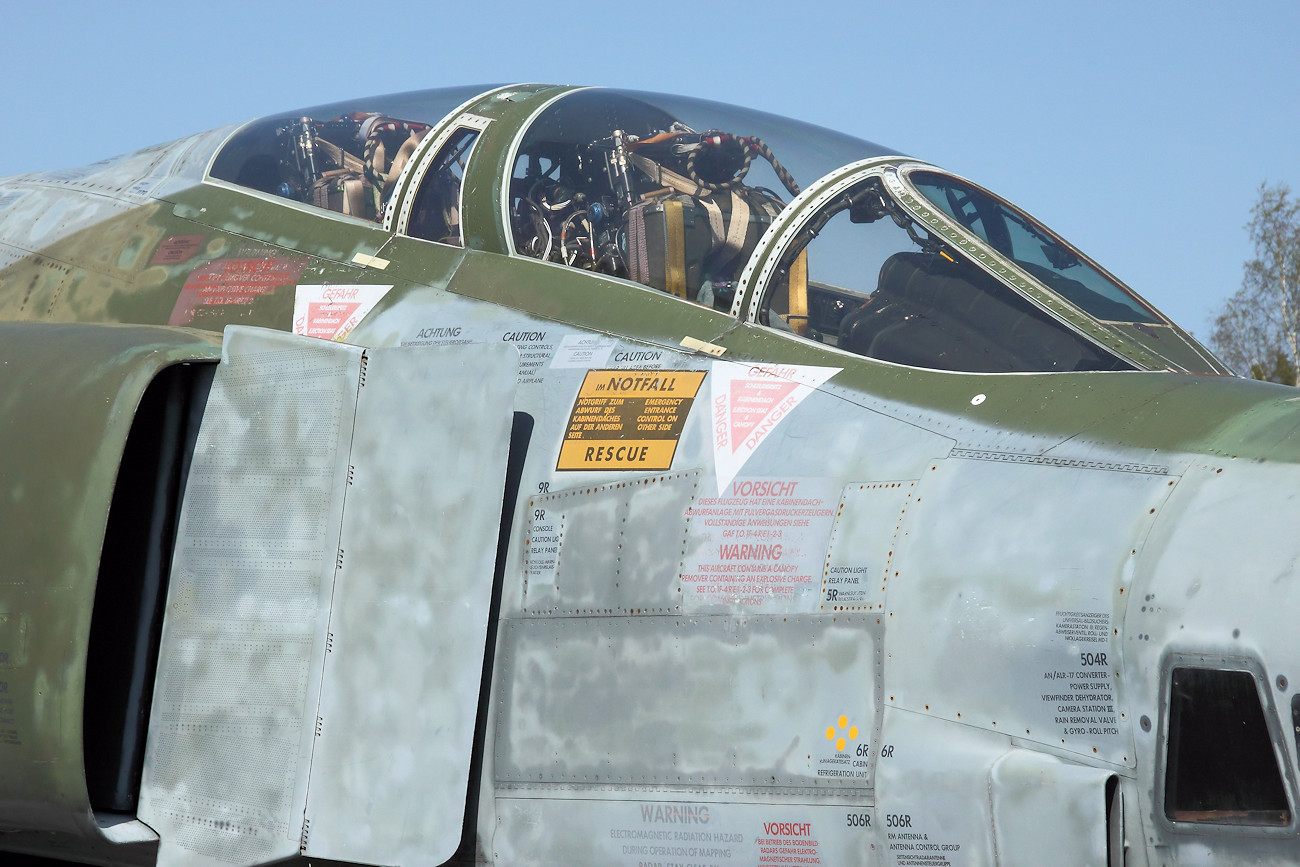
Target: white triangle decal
[
  {"x": 749, "y": 401},
  {"x": 330, "y": 312}
]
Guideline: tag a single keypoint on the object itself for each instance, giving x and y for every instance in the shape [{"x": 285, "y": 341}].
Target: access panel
[{"x": 325, "y": 628}]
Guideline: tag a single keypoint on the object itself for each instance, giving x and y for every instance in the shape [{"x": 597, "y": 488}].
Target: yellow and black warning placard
[{"x": 628, "y": 419}]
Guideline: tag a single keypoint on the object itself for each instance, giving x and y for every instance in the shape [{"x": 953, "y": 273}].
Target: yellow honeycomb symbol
[{"x": 837, "y": 733}]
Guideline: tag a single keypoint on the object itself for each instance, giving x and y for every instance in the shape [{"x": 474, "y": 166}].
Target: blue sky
[{"x": 1141, "y": 132}]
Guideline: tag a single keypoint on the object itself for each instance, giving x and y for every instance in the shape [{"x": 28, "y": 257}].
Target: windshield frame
[
  {"x": 1003, "y": 268},
  {"x": 757, "y": 277},
  {"x": 1040, "y": 229},
  {"x": 1161, "y": 345},
  {"x": 407, "y": 187}
]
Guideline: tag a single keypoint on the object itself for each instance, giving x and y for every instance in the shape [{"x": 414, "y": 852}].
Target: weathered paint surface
[
  {"x": 919, "y": 617},
  {"x": 63, "y": 430},
  {"x": 304, "y": 530}
]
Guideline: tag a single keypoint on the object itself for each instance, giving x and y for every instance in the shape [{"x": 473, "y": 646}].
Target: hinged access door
[{"x": 323, "y": 645}]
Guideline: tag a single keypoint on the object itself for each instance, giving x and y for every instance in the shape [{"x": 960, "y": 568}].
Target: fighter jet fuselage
[{"x": 546, "y": 475}]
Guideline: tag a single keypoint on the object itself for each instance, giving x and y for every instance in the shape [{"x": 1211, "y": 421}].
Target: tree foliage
[{"x": 1258, "y": 329}]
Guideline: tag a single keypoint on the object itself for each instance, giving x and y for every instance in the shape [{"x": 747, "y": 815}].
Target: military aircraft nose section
[{"x": 647, "y": 480}]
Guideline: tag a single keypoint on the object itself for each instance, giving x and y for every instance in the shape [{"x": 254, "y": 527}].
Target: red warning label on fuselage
[
  {"x": 628, "y": 419},
  {"x": 242, "y": 281}
]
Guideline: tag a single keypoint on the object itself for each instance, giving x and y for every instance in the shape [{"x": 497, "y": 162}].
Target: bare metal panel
[
  {"x": 1047, "y": 811},
  {"x": 609, "y": 548},
  {"x": 932, "y": 791},
  {"x": 1196, "y": 604},
  {"x": 713, "y": 701},
  {"x": 409, "y": 617},
  {"x": 759, "y": 547},
  {"x": 30, "y": 222},
  {"x": 231, "y": 731},
  {"x": 321, "y": 583},
  {"x": 142, "y": 174},
  {"x": 694, "y": 830},
  {"x": 1032, "y": 586},
  {"x": 866, "y": 530}
]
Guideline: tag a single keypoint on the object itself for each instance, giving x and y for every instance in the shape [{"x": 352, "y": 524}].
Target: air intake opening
[{"x": 132, "y": 583}]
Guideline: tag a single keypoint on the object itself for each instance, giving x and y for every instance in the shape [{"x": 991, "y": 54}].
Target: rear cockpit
[
  {"x": 343, "y": 157},
  {"x": 669, "y": 192},
  {"x": 618, "y": 184}
]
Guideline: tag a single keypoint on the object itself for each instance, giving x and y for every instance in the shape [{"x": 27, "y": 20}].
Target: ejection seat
[{"x": 929, "y": 311}]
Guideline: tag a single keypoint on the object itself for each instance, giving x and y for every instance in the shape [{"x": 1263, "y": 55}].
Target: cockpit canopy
[
  {"x": 860, "y": 248},
  {"x": 343, "y": 157},
  {"x": 669, "y": 192}
]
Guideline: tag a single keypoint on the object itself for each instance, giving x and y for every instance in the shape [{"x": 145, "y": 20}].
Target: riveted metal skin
[{"x": 526, "y": 563}]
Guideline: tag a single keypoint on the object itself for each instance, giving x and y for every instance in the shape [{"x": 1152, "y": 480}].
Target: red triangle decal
[
  {"x": 325, "y": 319},
  {"x": 751, "y": 401}
]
